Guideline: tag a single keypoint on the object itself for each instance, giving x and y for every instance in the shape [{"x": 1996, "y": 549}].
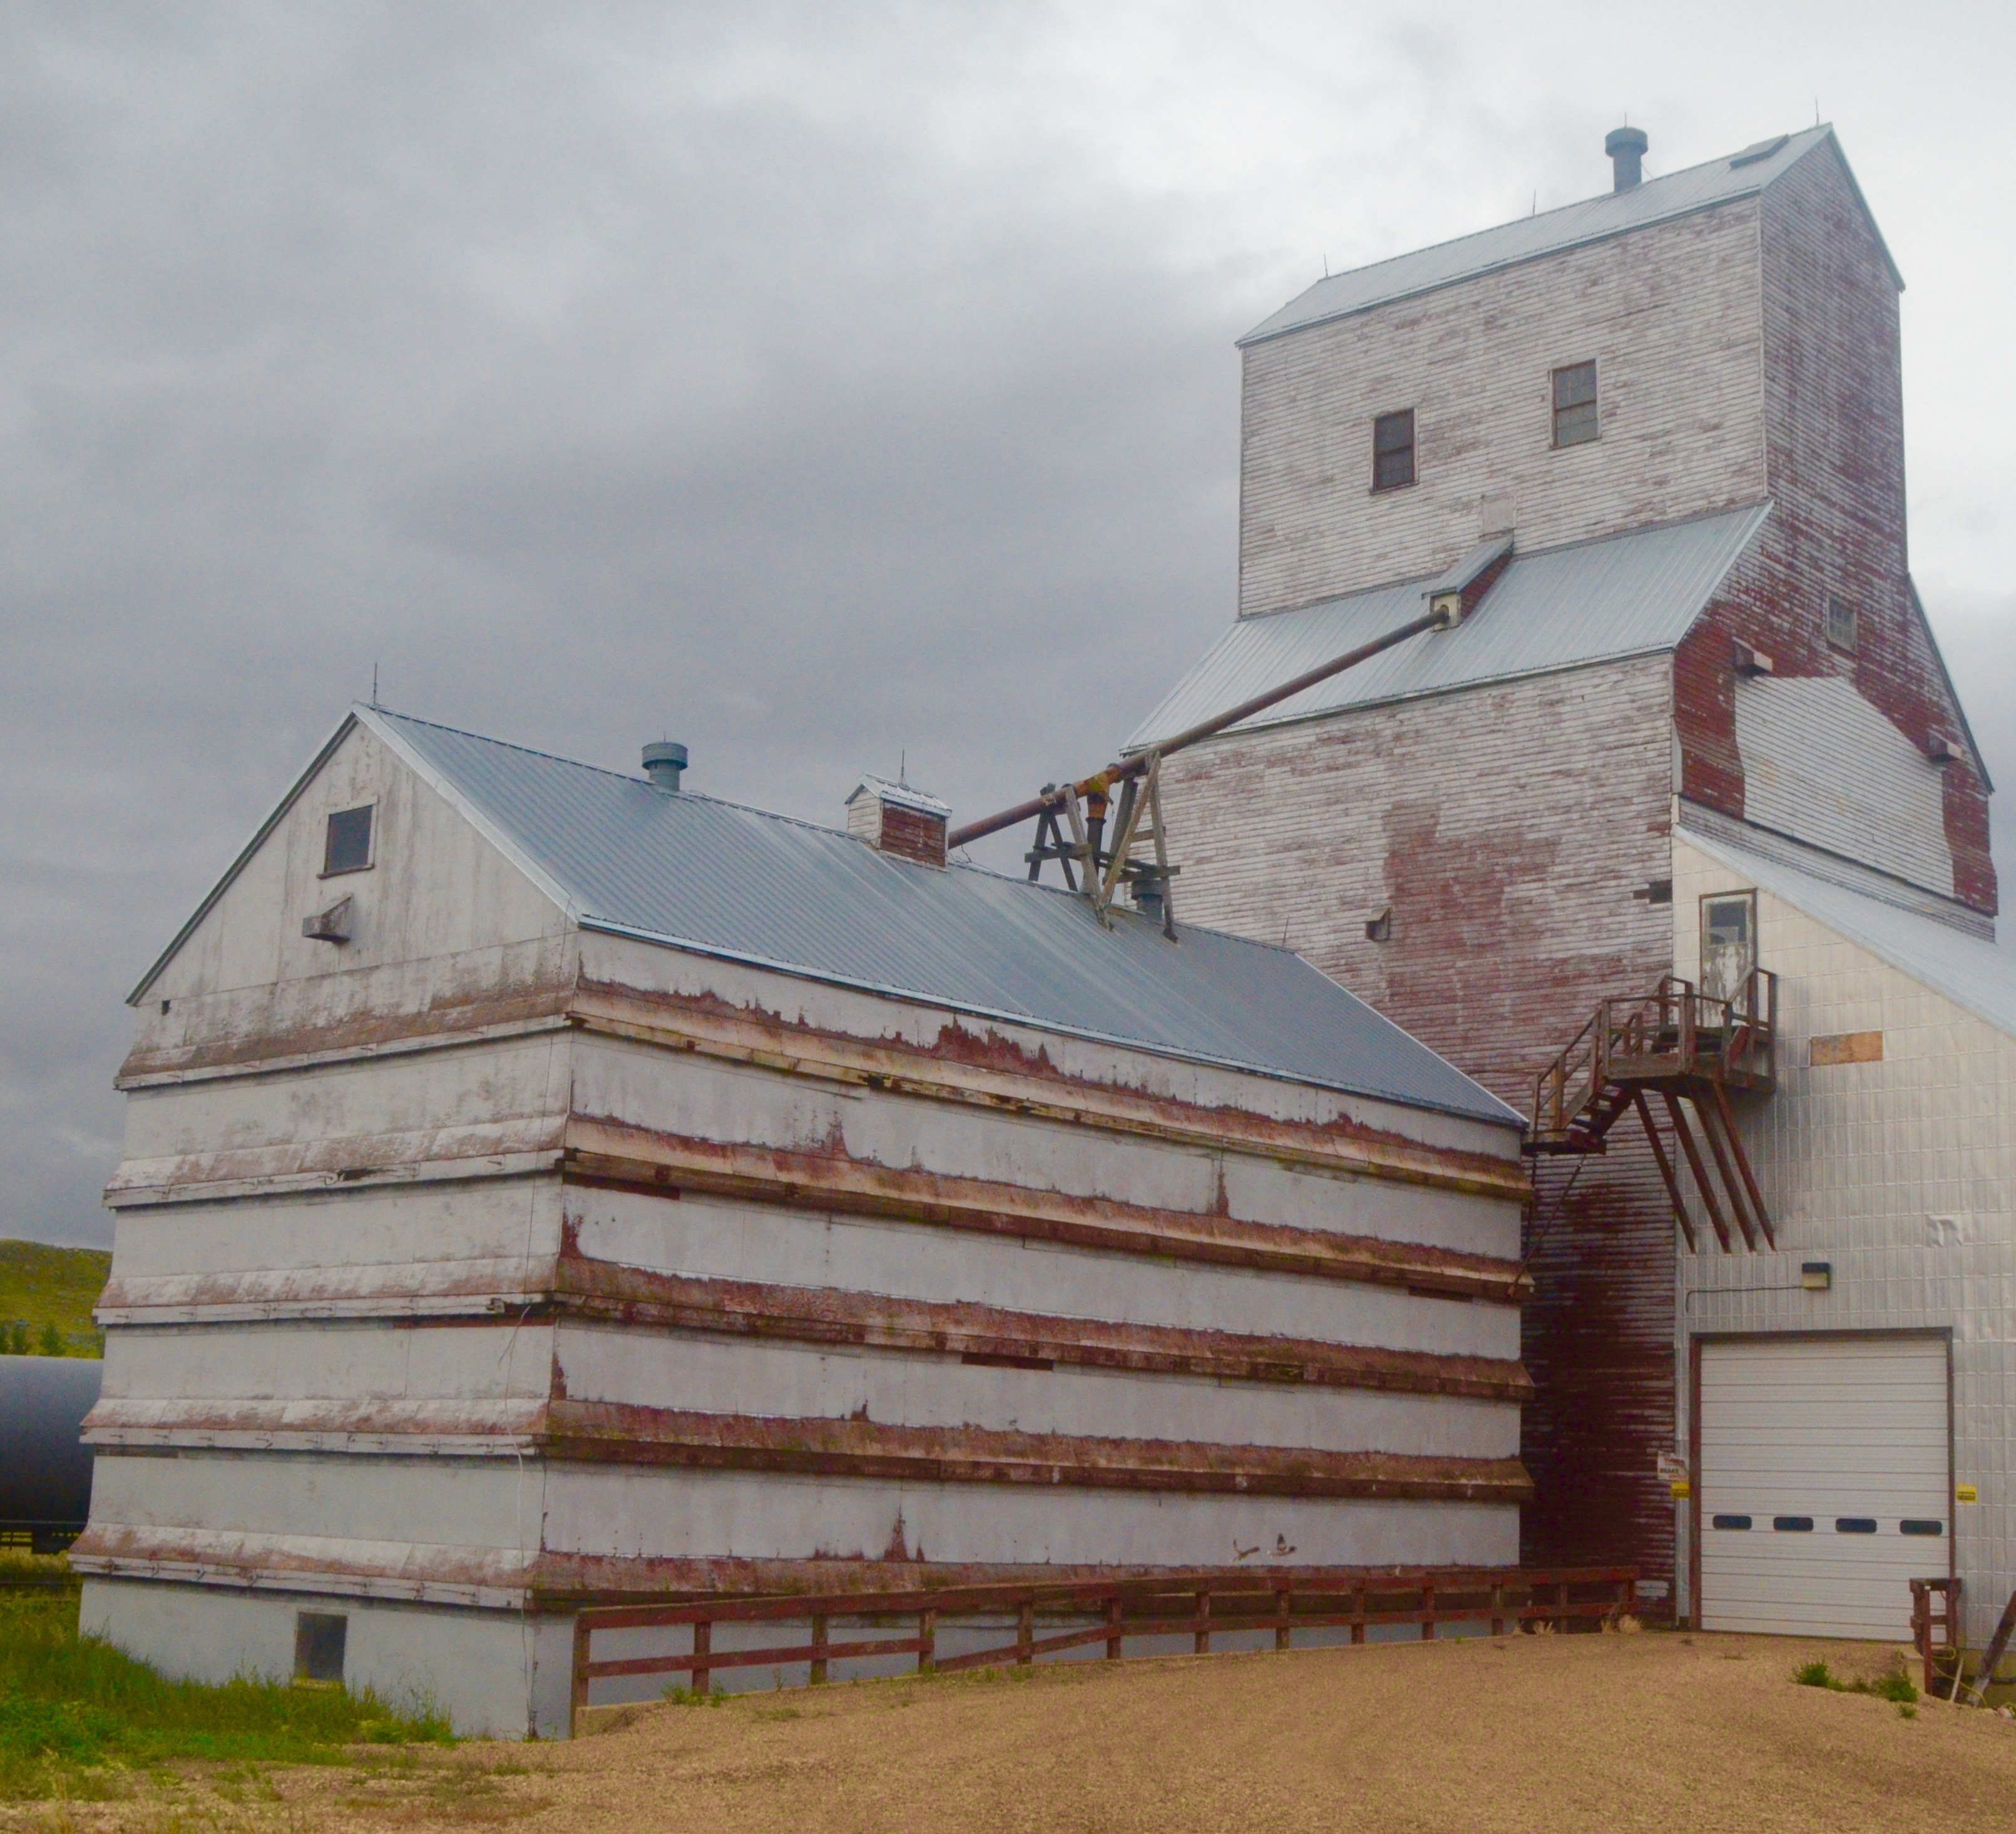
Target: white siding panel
[
  {"x": 719, "y": 1240},
  {"x": 638, "y": 1511},
  {"x": 1829, "y": 1429},
  {"x": 779, "y": 1381},
  {"x": 1901, "y": 1174}
]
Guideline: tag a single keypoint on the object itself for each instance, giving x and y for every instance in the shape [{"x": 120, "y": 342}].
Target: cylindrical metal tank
[{"x": 45, "y": 1466}]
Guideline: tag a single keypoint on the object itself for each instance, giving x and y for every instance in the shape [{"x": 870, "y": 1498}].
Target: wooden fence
[{"x": 1199, "y": 1604}]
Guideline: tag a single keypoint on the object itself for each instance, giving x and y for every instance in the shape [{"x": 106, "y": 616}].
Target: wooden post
[
  {"x": 1666, "y": 1171},
  {"x": 819, "y": 1649},
  {"x": 1282, "y": 1600},
  {"x": 1428, "y": 1608},
  {"x": 1358, "y": 1613},
  {"x": 1203, "y": 1639},
  {"x": 927, "y": 1635},
  {"x": 703, "y": 1675},
  {"x": 1025, "y": 1633},
  {"x": 1112, "y": 1637},
  {"x": 1742, "y": 1159},
  {"x": 1681, "y": 1131},
  {"x": 577, "y": 1691}
]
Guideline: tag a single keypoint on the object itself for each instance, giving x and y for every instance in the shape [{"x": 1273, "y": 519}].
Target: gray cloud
[{"x": 815, "y": 384}]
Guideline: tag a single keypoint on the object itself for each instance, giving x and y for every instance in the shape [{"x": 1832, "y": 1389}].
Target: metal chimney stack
[
  {"x": 663, "y": 763},
  {"x": 1626, "y": 147}
]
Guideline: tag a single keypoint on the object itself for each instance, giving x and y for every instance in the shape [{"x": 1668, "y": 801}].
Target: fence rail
[{"x": 1213, "y": 1602}]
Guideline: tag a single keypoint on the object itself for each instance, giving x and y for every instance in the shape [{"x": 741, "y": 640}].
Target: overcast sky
[{"x": 815, "y": 383}]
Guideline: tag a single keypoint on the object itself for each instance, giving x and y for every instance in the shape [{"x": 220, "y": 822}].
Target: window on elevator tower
[
  {"x": 1574, "y": 405},
  {"x": 1393, "y": 450}
]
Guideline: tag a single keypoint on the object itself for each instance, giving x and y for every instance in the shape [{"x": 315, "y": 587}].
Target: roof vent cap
[
  {"x": 1626, "y": 147},
  {"x": 1762, "y": 149},
  {"x": 663, "y": 763}
]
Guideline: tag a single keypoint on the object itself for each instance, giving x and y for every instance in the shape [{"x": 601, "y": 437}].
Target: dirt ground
[{"x": 1553, "y": 1734}]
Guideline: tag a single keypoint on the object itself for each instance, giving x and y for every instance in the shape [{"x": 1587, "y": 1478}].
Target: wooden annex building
[{"x": 543, "y": 1185}]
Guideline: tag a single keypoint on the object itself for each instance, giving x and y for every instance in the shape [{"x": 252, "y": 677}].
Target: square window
[
  {"x": 1574, "y": 405},
  {"x": 1393, "y": 450},
  {"x": 346, "y": 848},
  {"x": 1841, "y": 622},
  {"x": 319, "y": 1637}
]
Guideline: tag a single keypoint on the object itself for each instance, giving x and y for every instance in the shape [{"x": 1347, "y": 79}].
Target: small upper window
[
  {"x": 347, "y": 848},
  {"x": 1393, "y": 450},
  {"x": 1574, "y": 405},
  {"x": 1841, "y": 623}
]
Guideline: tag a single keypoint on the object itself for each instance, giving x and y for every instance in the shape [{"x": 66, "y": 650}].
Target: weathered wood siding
[
  {"x": 1671, "y": 315},
  {"x": 1834, "y": 423},
  {"x": 556, "y": 1264},
  {"x": 1511, "y": 832},
  {"x": 438, "y": 892}
]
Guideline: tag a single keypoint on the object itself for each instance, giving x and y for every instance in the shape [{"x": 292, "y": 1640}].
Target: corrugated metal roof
[
  {"x": 1623, "y": 596},
  {"x": 1970, "y": 971},
  {"x": 1822, "y": 765},
  {"x": 1657, "y": 200},
  {"x": 622, "y": 855}
]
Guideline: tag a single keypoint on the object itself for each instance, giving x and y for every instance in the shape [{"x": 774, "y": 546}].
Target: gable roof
[
  {"x": 1595, "y": 219},
  {"x": 620, "y": 855},
  {"x": 1597, "y": 601},
  {"x": 900, "y": 794},
  {"x": 1970, "y": 971}
]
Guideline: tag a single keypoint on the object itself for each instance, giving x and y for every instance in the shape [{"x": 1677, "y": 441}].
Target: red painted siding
[
  {"x": 1505, "y": 829},
  {"x": 1834, "y": 431}
]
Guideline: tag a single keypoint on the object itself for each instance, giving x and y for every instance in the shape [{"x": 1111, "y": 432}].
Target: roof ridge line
[
  {"x": 1818, "y": 133},
  {"x": 720, "y": 802},
  {"x": 555, "y": 758}
]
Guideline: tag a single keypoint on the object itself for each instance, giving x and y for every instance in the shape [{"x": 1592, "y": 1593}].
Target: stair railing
[{"x": 1698, "y": 1033}]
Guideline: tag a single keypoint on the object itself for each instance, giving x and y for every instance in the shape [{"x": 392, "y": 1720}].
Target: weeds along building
[
  {"x": 1688, "y": 719},
  {"x": 542, "y": 1184}
]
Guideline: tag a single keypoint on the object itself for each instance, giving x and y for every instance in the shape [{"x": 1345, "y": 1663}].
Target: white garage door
[{"x": 1824, "y": 1483}]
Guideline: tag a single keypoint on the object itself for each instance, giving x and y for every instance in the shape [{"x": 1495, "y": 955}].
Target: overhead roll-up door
[{"x": 1825, "y": 1484}]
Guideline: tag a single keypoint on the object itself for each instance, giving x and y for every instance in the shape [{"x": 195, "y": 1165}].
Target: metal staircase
[{"x": 1690, "y": 1050}]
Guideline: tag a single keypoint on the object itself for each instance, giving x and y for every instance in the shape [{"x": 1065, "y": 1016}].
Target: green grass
[
  {"x": 46, "y": 1294},
  {"x": 1894, "y": 1686},
  {"x": 74, "y": 1710}
]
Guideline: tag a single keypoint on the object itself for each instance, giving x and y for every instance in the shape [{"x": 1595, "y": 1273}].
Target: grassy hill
[{"x": 44, "y": 1290}]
